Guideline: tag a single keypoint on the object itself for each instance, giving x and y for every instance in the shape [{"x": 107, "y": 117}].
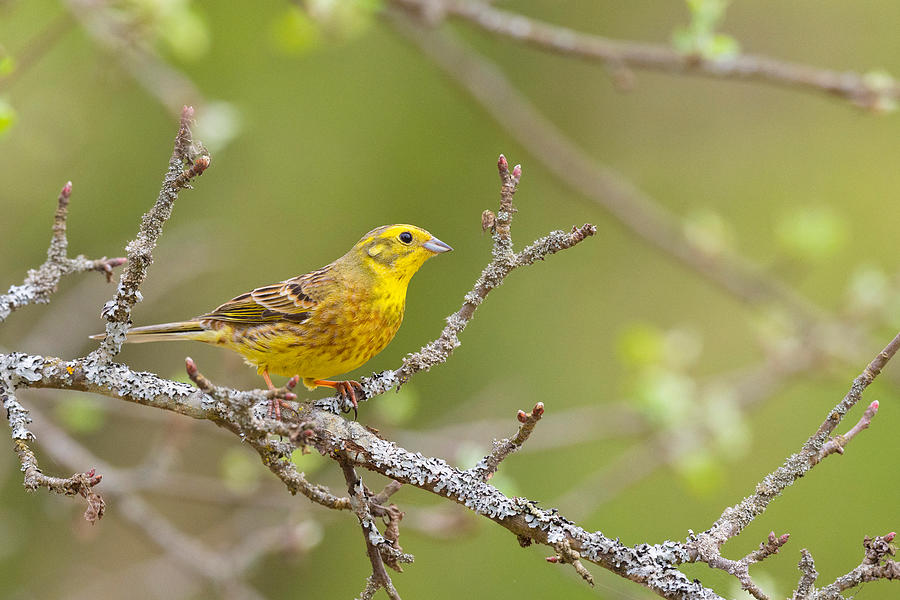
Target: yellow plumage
[{"x": 320, "y": 324}]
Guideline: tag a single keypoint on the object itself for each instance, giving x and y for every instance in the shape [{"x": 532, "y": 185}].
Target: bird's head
[{"x": 397, "y": 251}]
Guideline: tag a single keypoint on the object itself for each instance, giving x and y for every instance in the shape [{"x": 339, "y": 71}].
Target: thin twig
[
  {"x": 860, "y": 90},
  {"x": 734, "y": 519},
  {"x": 80, "y": 484},
  {"x": 41, "y": 283},
  {"x": 566, "y": 556},
  {"x": 838, "y": 442},
  {"x": 630, "y": 206},
  {"x": 874, "y": 566},
  {"x": 488, "y": 465}
]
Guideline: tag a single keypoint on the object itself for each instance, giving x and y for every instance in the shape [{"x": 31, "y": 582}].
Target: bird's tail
[{"x": 164, "y": 332}]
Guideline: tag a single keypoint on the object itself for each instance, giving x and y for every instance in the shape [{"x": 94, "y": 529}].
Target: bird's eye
[{"x": 406, "y": 237}]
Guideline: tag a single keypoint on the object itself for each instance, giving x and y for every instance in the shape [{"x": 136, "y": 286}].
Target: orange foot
[
  {"x": 348, "y": 390},
  {"x": 278, "y": 401}
]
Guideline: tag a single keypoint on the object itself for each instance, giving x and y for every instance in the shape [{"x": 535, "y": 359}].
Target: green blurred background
[{"x": 325, "y": 123}]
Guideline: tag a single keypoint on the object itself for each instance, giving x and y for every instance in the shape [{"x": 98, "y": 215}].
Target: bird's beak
[{"x": 436, "y": 246}]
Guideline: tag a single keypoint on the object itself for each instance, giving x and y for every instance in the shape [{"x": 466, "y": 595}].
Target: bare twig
[
  {"x": 275, "y": 456},
  {"x": 734, "y": 519},
  {"x": 565, "y": 555},
  {"x": 487, "y": 466},
  {"x": 81, "y": 484},
  {"x": 837, "y": 443},
  {"x": 41, "y": 283},
  {"x": 860, "y": 90},
  {"x": 874, "y": 566},
  {"x": 741, "y": 568}
]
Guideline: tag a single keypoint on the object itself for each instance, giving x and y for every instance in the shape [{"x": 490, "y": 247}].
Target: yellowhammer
[{"x": 321, "y": 324}]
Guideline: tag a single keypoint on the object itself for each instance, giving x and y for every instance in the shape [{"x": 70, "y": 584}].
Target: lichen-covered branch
[
  {"x": 866, "y": 92},
  {"x": 735, "y": 518},
  {"x": 874, "y": 566},
  {"x": 376, "y": 544},
  {"x": 741, "y": 568},
  {"x": 353, "y": 446}
]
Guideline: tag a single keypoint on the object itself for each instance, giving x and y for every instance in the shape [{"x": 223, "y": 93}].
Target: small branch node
[
  {"x": 200, "y": 164},
  {"x": 80, "y": 484},
  {"x": 566, "y": 555},
  {"x": 488, "y": 220},
  {"x": 488, "y": 465},
  {"x": 878, "y": 547},
  {"x": 836, "y": 444},
  {"x": 767, "y": 548}
]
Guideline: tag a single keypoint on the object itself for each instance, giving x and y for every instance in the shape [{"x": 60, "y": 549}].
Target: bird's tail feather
[{"x": 183, "y": 330}]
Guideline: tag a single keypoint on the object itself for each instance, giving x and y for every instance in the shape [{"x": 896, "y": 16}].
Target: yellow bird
[{"x": 321, "y": 324}]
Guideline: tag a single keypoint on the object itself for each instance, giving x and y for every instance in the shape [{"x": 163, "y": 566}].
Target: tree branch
[
  {"x": 486, "y": 83},
  {"x": 41, "y": 283},
  {"x": 487, "y": 466},
  {"x": 863, "y": 91},
  {"x": 117, "y": 311},
  {"x": 375, "y": 542},
  {"x": 352, "y": 445},
  {"x": 734, "y": 519}
]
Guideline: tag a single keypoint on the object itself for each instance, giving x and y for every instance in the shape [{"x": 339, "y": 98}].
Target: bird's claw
[
  {"x": 280, "y": 396},
  {"x": 348, "y": 390}
]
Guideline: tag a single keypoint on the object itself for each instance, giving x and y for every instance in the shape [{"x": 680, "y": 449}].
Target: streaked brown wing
[{"x": 292, "y": 300}]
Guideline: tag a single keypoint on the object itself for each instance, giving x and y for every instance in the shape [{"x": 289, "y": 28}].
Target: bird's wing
[{"x": 294, "y": 300}]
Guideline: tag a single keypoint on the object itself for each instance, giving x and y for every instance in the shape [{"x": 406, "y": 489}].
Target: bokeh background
[{"x": 328, "y": 120}]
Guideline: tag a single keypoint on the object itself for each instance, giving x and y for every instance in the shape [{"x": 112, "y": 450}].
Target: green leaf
[
  {"x": 731, "y": 436},
  {"x": 666, "y": 396},
  {"x": 293, "y": 32},
  {"x": 7, "y": 64},
  {"x": 700, "y": 36},
  {"x": 814, "y": 233},
  {"x": 701, "y": 473},
  {"x": 185, "y": 33},
  {"x": 8, "y": 117},
  {"x": 81, "y": 414},
  {"x": 721, "y": 46},
  {"x": 640, "y": 344},
  {"x": 884, "y": 85}
]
